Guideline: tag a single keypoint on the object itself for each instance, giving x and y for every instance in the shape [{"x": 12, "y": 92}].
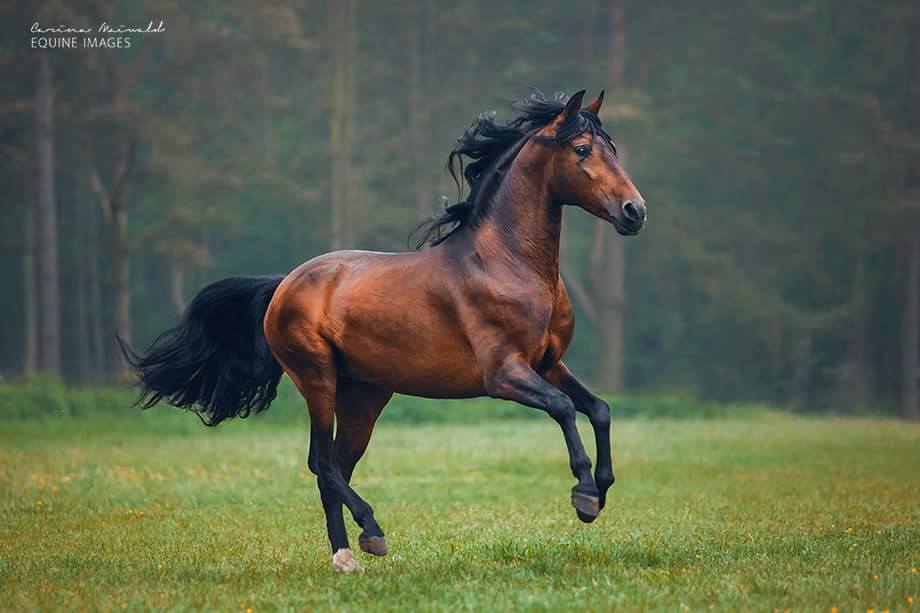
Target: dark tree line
[{"x": 775, "y": 144}]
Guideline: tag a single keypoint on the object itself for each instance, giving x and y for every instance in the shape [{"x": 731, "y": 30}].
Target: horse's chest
[
  {"x": 528, "y": 318},
  {"x": 558, "y": 333},
  {"x": 545, "y": 331}
]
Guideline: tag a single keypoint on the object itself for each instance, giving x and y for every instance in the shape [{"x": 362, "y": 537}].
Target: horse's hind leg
[
  {"x": 357, "y": 407},
  {"x": 317, "y": 384},
  {"x": 332, "y": 508}
]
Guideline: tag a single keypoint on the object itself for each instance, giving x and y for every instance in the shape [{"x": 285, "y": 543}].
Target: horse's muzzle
[{"x": 629, "y": 217}]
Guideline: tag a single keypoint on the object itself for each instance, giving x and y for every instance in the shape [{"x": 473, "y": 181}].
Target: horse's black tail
[{"x": 216, "y": 361}]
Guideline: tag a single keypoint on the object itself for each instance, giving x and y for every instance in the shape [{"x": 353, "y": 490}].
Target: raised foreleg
[
  {"x": 515, "y": 380},
  {"x": 598, "y": 413}
]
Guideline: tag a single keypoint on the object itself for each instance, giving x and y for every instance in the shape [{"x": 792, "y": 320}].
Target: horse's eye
[{"x": 583, "y": 151}]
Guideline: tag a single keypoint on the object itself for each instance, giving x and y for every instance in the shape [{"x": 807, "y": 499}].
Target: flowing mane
[{"x": 490, "y": 147}]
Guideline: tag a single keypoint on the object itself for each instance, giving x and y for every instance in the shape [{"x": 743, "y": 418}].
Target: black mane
[{"x": 490, "y": 147}]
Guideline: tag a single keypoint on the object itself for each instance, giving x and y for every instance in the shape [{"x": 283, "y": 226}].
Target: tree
[
  {"x": 910, "y": 344},
  {"x": 29, "y": 285},
  {"x": 418, "y": 24},
  {"x": 49, "y": 305},
  {"x": 342, "y": 47},
  {"x": 606, "y": 262},
  {"x": 112, "y": 198},
  {"x": 910, "y": 399}
]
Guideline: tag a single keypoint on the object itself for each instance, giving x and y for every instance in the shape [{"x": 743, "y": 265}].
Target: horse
[{"x": 478, "y": 309}]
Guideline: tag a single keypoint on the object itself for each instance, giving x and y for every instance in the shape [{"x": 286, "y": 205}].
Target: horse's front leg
[
  {"x": 598, "y": 412},
  {"x": 515, "y": 380}
]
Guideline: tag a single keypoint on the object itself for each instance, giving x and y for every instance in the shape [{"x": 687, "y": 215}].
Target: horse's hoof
[
  {"x": 374, "y": 545},
  {"x": 344, "y": 561},
  {"x": 587, "y": 507}
]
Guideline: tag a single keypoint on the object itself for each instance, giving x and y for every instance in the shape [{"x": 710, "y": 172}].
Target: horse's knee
[
  {"x": 600, "y": 414},
  {"x": 561, "y": 408}
]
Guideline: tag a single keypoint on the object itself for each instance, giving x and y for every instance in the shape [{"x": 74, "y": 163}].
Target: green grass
[{"x": 763, "y": 511}]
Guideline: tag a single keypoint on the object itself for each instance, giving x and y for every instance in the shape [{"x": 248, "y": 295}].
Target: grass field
[{"x": 760, "y": 512}]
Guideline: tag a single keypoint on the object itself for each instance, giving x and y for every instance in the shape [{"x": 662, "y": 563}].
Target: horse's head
[{"x": 586, "y": 169}]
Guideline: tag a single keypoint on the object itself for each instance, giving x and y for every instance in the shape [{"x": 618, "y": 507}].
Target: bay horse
[{"x": 479, "y": 309}]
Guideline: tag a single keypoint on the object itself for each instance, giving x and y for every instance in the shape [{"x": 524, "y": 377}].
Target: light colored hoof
[{"x": 344, "y": 561}]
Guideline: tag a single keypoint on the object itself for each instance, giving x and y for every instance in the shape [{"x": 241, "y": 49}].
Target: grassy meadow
[{"x": 756, "y": 510}]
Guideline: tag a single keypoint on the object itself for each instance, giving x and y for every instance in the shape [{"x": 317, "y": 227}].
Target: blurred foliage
[
  {"x": 44, "y": 399},
  {"x": 776, "y": 145}
]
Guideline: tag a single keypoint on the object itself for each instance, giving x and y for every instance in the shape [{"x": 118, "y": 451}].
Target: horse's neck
[{"x": 522, "y": 223}]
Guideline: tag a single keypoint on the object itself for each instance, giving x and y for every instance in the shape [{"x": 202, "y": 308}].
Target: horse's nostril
[{"x": 634, "y": 212}]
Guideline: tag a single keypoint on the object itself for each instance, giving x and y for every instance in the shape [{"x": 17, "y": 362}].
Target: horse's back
[{"x": 387, "y": 318}]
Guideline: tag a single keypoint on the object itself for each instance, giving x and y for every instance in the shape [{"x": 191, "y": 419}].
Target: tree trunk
[
  {"x": 177, "y": 285},
  {"x": 910, "y": 339},
  {"x": 121, "y": 297},
  {"x": 607, "y": 251},
  {"x": 29, "y": 289},
  {"x": 910, "y": 397},
  {"x": 418, "y": 113},
  {"x": 46, "y": 223},
  {"x": 342, "y": 39},
  {"x": 348, "y": 118},
  {"x": 857, "y": 385},
  {"x": 82, "y": 315},
  {"x": 587, "y": 35},
  {"x": 609, "y": 281},
  {"x": 119, "y": 245},
  {"x": 94, "y": 283}
]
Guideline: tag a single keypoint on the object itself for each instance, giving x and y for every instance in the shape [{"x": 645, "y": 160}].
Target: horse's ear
[
  {"x": 573, "y": 106},
  {"x": 595, "y": 107}
]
